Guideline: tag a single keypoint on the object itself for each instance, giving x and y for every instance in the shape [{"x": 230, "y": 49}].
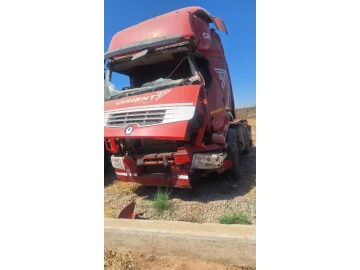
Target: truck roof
[{"x": 161, "y": 30}]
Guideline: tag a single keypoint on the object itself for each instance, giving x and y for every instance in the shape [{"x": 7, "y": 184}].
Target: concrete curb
[{"x": 230, "y": 244}]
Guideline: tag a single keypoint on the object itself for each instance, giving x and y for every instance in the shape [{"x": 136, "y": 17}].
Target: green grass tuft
[
  {"x": 162, "y": 200},
  {"x": 235, "y": 218}
]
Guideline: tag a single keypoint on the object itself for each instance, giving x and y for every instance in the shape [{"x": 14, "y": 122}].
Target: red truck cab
[{"x": 171, "y": 122}]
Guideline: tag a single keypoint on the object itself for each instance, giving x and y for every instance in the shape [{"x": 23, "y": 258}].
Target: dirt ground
[
  {"x": 214, "y": 196},
  {"x": 126, "y": 261},
  {"x": 252, "y": 123}
]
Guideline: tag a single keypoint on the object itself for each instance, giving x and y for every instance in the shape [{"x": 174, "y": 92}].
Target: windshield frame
[
  {"x": 195, "y": 77},
  {"x": 107, "y": 95},
  {"x": 108, "y": 83}
]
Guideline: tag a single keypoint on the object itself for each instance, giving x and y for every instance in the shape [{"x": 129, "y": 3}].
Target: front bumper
[
  {"x": 180, "y": 180},
  {"x": 127, "y": 170}
]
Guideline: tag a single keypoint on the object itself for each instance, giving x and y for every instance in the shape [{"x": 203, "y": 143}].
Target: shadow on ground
[{"x": 109, "y": 176}]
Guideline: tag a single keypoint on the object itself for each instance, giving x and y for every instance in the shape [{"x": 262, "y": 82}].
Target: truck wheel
[
  {"x": 233, "y": 154},
  {"x": 240, "y": 138},
  {"x": 250, "y": 135},
  {"x": 248, "y": 139}
]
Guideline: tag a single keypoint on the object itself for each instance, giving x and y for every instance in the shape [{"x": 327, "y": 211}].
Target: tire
[
  {"x": 248, "y": 139},
  {"x": 240, "y": 138},
  {"x": 233, "y": 154},
  {"x": 250, "y": 136},
  {"x": 194, "y": 180}
]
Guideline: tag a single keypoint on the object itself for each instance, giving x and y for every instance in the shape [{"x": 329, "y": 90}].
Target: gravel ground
[
  {"x": 127, "y": 261},
  {"x": 206, "y": 203}
]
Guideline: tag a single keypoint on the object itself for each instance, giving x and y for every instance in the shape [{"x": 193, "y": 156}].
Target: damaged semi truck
[{"x": 175, "y": 119}]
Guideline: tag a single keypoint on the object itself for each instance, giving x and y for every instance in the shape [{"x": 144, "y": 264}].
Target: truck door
[{"x": 219, "y": 91}]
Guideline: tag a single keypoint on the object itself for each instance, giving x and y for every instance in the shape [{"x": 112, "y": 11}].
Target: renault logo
[{"x": 129, "y": 130}]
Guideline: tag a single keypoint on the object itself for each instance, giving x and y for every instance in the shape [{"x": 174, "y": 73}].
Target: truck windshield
[
  {"x": 115, "y": 82},
  {"x": 146, "y": 73}
]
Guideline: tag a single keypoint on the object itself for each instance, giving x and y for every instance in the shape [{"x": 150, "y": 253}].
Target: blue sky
[{"x": 239, "y": 45}]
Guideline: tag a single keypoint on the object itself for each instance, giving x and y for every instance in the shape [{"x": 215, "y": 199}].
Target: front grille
[
  {"x": 141, "y": 118},
  {"x": 149, "y": 115}
]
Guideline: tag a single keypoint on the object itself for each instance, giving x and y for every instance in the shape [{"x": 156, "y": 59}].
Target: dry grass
[
  {"x": 114, "y": 260},
  {"x": 120, "y": 261},
  {"x": 252, "y": 123},
  {"x": 125, "y": 188},
  {"x": 110, "y": 212},
  {"x": 245, "y": 113},
  {"x": 192, "y": 219}
]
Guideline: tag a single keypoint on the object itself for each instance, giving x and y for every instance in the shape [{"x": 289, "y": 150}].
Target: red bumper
[
  {"x": 178, "y": 178},
  {"x": 174, "y": 174}
]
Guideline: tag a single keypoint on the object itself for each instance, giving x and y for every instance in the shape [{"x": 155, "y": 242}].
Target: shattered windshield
[
  {"x": 115, "y": 82},
  {"x": 148, "y": 74}
]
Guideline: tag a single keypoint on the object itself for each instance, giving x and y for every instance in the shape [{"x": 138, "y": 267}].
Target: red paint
[
  {"x": 218, "y": 138},
  {"x": 128, "y": 211},
  {"x": 181, "y": 94},
  {"x": 110, "y": 142},
  {"x": 172, "y": 131},
  {"x": 164, "y": 25},
  {"x": 190, "y": 24},
  {"x": 182, "y": 158},
  {"x": 174, "y": 180},
  {"x": 227, "y": 164},
  {"x": 172, "y": 23}
]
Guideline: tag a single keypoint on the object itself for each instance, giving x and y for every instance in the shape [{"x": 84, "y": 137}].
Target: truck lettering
[
  {"x": 150, "y": 133},
  {"x": 206, "y": 35},
  {"x": 222, "y": 76},
  {"x": 151, "y": 97}
]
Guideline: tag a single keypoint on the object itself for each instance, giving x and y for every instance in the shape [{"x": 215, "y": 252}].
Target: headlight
[
  {"x": 208, "y": 160},
  {"x": 117, "y": 162}
]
